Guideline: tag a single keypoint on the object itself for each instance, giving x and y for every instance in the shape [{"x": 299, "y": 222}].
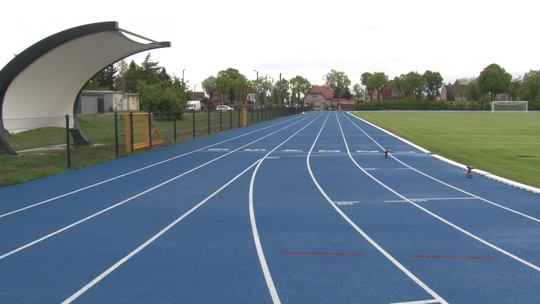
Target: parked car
[{"x": 224, "y": 108}]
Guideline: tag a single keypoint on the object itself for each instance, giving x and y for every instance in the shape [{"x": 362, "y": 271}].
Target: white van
[{"x": 193, "y": 105}]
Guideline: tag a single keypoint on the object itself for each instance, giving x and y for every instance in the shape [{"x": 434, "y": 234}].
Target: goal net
[{"x": 510, "y": 106}]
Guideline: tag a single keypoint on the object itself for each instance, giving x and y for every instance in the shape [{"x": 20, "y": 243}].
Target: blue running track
[{"x": 304, "y": 209}]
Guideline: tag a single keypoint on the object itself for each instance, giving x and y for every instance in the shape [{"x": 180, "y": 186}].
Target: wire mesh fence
[{"x": 64, "y": 143}]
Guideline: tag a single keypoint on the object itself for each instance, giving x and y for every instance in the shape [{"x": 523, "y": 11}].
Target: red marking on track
[
  {"x": 323, "y": 253},
  {"x": 450, "y": 257}
]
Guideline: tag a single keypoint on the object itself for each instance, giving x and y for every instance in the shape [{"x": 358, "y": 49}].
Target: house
[
  {"x": 319, "y": 98},
  {"x": 198, "y": 95},
  {"x": 94, "y": 102},
  {"x": 392, "y": 92},
  {"x": 344, "y": 104}
]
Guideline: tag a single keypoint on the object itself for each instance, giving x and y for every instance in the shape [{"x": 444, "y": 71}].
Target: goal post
[{"x": 510, "y": 106}]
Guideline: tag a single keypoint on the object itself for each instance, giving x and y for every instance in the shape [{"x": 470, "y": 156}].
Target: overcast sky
[{"x": 299, "y": 37}]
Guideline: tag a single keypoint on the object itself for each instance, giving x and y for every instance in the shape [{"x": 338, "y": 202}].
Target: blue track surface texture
[{"x": 304, "y": 209}]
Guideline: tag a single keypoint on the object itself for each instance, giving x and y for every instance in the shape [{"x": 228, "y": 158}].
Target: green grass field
[{"x": 504, "y": 144}]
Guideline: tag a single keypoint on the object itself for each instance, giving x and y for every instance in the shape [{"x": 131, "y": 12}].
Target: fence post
[
  {"x": 193, "y": 122},
  {"x": 174, "y": 125},
  {"x": 150, "y": 129},
  {"x": 68, "y": 143},
  {"x": 131, "y": 132},
  {"x": 208, "y": 112},
  {"x": 116, "y": 134},
  {"x": 220, "y": 121}
]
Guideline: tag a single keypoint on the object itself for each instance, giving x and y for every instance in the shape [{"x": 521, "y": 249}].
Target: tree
[
  {"x": 531, "y": 82},
  {"x": 163, "y": 96},
  {"x": 299, "y": 86},
  {"x": 399, "y": 83},
  {"x": 104, "y": 80},
  {"x": 338, "y": 82},
  {"x": 516, "y": 88},
  {"x": 494, "y": 80},
  {"x": 209, "y": 85},
  {"x": 413, "y": 82},
  {"x": 282, "y": 87},
  {"x": 226, "y": 83},
  {"x": 432, "y": 81},
  {"x": 377, "y": 82},
  {"x": 370, "y": 91},
  {"x": 358, "y": 91}
]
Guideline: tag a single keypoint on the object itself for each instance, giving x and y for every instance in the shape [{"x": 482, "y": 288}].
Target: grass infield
[{"x": 505, "y": 144}]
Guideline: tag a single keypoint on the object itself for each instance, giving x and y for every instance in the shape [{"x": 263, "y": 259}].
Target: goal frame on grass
[{"x": 510, "y": 106}]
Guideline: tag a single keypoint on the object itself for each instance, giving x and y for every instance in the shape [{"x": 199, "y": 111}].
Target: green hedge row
[{"x": 422, "y": 104}]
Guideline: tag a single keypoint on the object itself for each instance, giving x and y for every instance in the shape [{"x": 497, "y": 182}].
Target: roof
[
  {"x": 198, "y": 94},
  {"x": 322, "y": 90}
]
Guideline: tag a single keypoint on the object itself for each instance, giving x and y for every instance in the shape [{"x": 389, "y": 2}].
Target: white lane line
[
  {"x": 258, "y": 245},
  {"x": 135, "y": 196},
  {"x": 140, "y": 169},
  {"x": 433, "y": 301},
  {"x": 446, "y": 184},
  {"x": 365, "y": 235},
  {"x": 152, "y": 239},
  {"x": 437, "y": 216}
]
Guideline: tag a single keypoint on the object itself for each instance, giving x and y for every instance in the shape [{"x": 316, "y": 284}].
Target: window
[{"x": 314, "y": 96}]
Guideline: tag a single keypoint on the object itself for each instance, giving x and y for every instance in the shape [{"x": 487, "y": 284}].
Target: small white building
[{"x": 95, "y": 102}]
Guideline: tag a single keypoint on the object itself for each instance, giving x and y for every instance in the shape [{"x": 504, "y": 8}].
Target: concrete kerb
[{"x": 456, "y": 164}]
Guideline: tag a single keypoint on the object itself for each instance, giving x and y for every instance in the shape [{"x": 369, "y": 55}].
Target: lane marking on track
[
  {"x": 218, "y": 149},
  {"x": 152, "y": 239},
  {"x": 258, "y": 245},
  {"x": 143, "y": 168},
  {"x": 329, "y": 151},
  {"x": 419, "y": 200},
  {"x": 360, "y": 231},
  {"x": 291, "y": 150},
  {"x": 435, "y": 179},
  {"x": 138, "y": 195},
  {"x": 255, "y": 150},
  {"x": 481, "y": 240},
  {"x": 420, "y": 302},
  {"x": 323, "y": 253}
]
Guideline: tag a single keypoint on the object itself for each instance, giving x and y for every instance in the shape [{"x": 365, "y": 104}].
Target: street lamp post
[
  {"x": 183, "y": 75},
  {"x": 256, "y": 91}
]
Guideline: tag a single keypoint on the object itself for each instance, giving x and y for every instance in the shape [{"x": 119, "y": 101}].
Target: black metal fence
[{"x": 109, "y": 136}]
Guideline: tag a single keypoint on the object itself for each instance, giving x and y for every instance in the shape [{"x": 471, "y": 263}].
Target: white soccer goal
[{"x": 510, "y": 106}]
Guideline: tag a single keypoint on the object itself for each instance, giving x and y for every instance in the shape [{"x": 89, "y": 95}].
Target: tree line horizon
[{"x": 160, "y": 92}]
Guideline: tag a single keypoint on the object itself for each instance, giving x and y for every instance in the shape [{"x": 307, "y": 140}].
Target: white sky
[{"x": 300, "y": 37}]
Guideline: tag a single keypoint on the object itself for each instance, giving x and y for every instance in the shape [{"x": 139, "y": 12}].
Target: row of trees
[
  {"x": 159, "y": 91},
  {"x": 413, "y": 83},
  {"x": 231, "y": 82}
]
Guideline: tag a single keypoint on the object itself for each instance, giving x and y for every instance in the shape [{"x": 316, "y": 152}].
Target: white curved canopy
[{"x": 45, "y": 80}]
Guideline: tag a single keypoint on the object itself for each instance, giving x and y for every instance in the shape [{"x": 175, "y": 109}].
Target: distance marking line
[
  {"x": 138, "y": 170},
  {"x": 359, "y": 230},
  {"x": 444, "y": 183},
  {"x": 136, "y": 196},
  {"x": 258, "y": 245},
  {"x": 323, "y": 253},
  {"x": 419, "y": 302},
  {"x": 152, "y": 239},
  {"x": 527, "y": 263},
  {"x": 450, "y": 257}
]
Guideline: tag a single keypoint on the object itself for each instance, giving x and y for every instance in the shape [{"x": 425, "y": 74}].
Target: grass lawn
[{"x": 505, "y": 144}]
